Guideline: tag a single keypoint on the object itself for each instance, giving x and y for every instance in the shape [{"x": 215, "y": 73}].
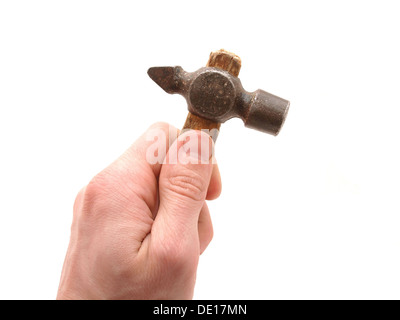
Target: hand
[{"x": 138, "y": 228}]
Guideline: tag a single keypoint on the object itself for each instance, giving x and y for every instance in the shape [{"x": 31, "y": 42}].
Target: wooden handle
[{"x": 224, "y": 60}]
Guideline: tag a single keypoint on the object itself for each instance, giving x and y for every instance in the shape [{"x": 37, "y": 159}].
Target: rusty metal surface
[{"x": 216, "y": 95}]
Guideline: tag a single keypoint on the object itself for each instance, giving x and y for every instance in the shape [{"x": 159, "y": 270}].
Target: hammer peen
[{"x": 214, "y": 94}]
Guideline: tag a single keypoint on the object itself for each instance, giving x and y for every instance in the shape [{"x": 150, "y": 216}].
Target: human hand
[{"x": 138, "y": 228}]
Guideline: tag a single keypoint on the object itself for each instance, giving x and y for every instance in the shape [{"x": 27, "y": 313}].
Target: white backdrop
[{"x": 312, "y": 213}]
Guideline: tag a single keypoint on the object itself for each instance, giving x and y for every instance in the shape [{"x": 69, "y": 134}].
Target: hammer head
[{"x": 216, "y": 95}]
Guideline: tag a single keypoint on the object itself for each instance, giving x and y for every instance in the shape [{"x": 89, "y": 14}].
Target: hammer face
[
  {"x": 212, "y": 95},
  {"x": 266, "y": 112}
]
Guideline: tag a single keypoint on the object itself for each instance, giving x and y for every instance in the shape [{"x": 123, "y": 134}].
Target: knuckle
[
  {"x": 104, "y": 182},
  {"x": 97, "y": 187},
  {"x": 96, "y": 195},
  {"x": 79, "y": 200},
  {"x": 187, "y": 184}
]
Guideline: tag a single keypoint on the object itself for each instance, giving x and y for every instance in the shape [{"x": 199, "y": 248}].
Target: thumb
[{"x": 183, "y": 184}]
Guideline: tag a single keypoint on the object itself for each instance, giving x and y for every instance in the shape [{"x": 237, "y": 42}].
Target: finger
[
  {"x": 152, "y": 146},
  {"x": 215, "y": 187},
  {"x": 183, "y": 187},
  {"x": 205, "y": 228},
  {"x": 141, "y": 164}
]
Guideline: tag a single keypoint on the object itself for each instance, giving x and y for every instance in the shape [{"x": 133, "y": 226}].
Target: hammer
[{"x": 215, "y": 94}]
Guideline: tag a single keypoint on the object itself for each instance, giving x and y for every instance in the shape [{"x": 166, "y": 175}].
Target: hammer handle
[{"x": 224, "y": 60}]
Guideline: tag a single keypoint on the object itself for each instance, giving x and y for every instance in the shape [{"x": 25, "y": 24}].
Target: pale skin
[{"x": 138, "y": 229}]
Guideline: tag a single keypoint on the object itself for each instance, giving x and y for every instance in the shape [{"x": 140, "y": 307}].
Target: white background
[{"x": 312, "y": 213}]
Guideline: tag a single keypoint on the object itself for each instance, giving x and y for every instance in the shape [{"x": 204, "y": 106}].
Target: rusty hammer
[{"x": 215, "y": 94}]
